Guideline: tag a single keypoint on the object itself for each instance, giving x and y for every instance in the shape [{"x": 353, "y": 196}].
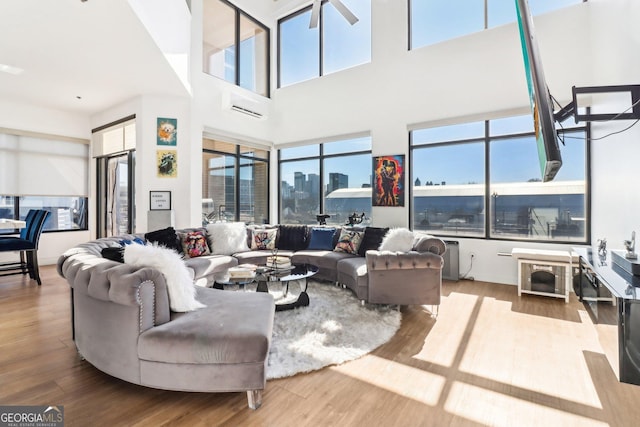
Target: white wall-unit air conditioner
[{"x": 245, "y": 104}]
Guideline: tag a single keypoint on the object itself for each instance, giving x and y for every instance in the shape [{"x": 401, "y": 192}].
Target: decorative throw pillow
[
  {"x": 349, "y": 241},
  {"x": 372, "y": 238},
  {"x": 264, "y": 239},
  {"x": 293, "y": 237},
  {"x": 252, "y": 228},
  {"x": 113, "y": 253},
  {"x": 137, "y": 240},
  {"x": 194, "y": 244},
  {"x": 180, "y": 286},
  {"x": 166, "y": 237},
  {"x": 322, "y": 238},
  {"x": 397, "y": 240},
  {"x": 227, "y": 238}
]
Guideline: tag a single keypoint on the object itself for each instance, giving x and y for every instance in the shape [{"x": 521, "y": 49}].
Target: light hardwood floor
[{"x": 490, "y": 358}]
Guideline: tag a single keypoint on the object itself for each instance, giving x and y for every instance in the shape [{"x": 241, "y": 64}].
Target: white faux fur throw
[
  {"x": 397, "y": 240},
  {"x": 182, "y": 292}
]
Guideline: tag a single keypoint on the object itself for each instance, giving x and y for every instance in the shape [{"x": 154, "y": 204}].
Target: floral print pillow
[
  {"x": 264, "y": 239},
  {"x": 194, "y": 244},
  {"x": 349, "y": 241}
]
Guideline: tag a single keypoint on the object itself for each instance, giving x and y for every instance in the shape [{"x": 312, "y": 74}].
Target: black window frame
[
  {"x": 321, "y": 158},
  {"x": 320, "y": 39},
  {"x": 237, "y": 42},
  {"x": 237, "y": 155},
  {"x": 16, "y": 216},
  {"x": 487, "y": 138}
]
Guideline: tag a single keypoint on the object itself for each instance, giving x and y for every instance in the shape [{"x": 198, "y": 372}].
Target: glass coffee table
[
  {"x": 288, "y": 297},
  {"x": 267, "y": 275},
  {"x": 240, "y": 282}
]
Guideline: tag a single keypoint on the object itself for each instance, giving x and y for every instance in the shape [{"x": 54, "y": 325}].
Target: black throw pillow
[
  {"x": 166, "y": 237},
  {"x": 113, "y": 253},
  {"x": 293, "y": 237},
  {"x": 372, "y": 238}
]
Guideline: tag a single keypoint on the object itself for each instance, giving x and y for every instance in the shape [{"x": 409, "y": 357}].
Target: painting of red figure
[{"x": 388, "y": 180}]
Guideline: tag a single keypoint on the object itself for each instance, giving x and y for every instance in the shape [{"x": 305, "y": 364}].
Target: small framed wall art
[
  {"x": 167, "y": 131},
  {"x": 167, "y": 162},
  {"x": 160, "y": 200}
]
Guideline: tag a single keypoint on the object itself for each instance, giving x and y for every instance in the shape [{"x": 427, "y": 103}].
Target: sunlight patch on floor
[
  {"x": 499, "y": 409},
  {"x": 456, "y": 309},
  {"x": 398, "y": 378},
  {"x": 503, "y": 353}
]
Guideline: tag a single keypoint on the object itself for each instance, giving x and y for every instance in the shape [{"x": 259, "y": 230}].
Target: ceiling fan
[{"x": 344, "y": 11}]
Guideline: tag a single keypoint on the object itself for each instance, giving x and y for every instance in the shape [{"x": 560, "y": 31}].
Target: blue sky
[
  {"x": 436, "y": 21},
  {"x": 344, "y": 45}
]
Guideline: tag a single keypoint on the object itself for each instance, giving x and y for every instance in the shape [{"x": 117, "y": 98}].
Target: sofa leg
[{"x": 254, "y": 397}]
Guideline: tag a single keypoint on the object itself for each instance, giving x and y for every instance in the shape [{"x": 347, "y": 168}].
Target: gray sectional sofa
[
  {"x": 408, "y": 277},
  {"x": 123, "y": 324}
]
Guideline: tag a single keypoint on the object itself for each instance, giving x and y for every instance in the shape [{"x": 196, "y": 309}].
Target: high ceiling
[{"x": 96, "y": 50}]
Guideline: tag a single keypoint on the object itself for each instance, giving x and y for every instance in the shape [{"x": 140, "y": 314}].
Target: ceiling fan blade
[
  {"x": 315, "y": 13},
  {"x": 344, "y": 11}
]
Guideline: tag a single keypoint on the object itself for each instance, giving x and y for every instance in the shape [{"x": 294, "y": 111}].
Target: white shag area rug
[{"x": 333, "y": 329}]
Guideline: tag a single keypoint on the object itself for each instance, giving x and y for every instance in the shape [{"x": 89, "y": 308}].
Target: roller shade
[{"x": 41, "y": 165}]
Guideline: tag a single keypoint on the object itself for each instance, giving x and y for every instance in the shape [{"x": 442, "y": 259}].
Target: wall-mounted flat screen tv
[{"x": 539, "y": 97}]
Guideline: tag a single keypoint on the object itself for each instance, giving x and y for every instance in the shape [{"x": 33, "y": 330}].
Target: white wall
[
  {"x": 147, "y": 109},
  {"x": 615, "y": 173},
  {"x": 38, "y": 119},
  {"x": 211, "y": 98}
]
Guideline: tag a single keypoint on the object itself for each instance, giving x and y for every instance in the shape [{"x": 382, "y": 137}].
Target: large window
[
  {"x": 334, "y": 45},
  {"x": 433, "y": 21},
  {"x": 235, "y": 46},
  {"x": 234, "y": 183},
  {"x": 458, "y": 191},
  {"x": 44, "y": 172},
  {"x": 332, "y": 178},
  {"x": 68, "y": 213}
]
